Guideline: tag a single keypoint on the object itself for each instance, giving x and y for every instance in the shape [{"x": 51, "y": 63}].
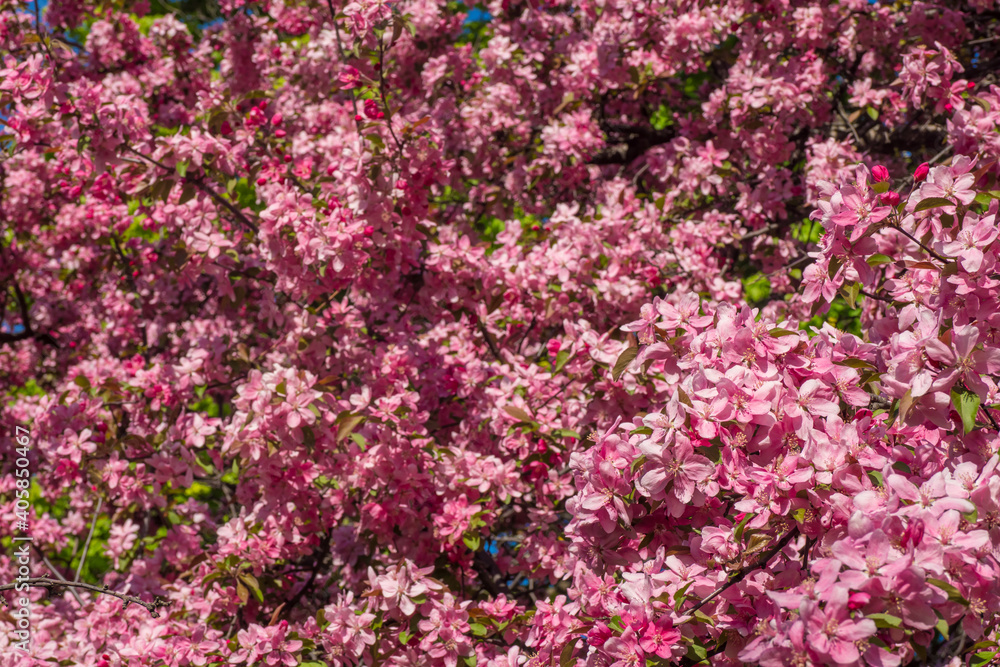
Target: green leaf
[
  {"x": 850, "y": 293},
  {"x": 624, "y": 359},
  {"x": 942, "y": 627},
  {"x": 616, "y": 624},
  {"x": 679, "y": 596},
  {"x": 778, "y": 333},
  {"x": 872, "y": 112},
  {"x": 983, "y": 658},
  {"x": 905, "y": 403},
  {"x": 251, "y": 582},
  {"x": 878, "y": 259},
  {"x": 82, "y": 382},
  {"x": 885, "y": 620},
  {"x": 518, "y": 414},
  {"x": 360, "y": 441},
  {"x": 738, "y": 533},
  {"x": 473, "y": 541},
  {"x": 348, "y": 422},
  {"x": 242, "y": 593},
  {"x": 478, "y": 629},
  {"x": 984, "y": 198},
  {"x": 953, "y": 593},
  {"x": 703, "y": 617},
  {"x": 187, "y": 193},
  {"x": 697, "y": 653},
  {"x": 561, "y": 360},
  {"x": 932, "y": 202},
  {"x": 182, "y": 168},
  {"x": 966, "y": 404},
  {"x": 566, "y": 656},
  {"x": 855, "y": 363}
]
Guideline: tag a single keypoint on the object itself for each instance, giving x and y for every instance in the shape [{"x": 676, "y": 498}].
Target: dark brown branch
[
  {"x": 489, "y": 340},
  {"x": 633, "y": 143},
  {"x": 29, "y": 331},
  {"x": 322, "y": 550},
  {"x": 757, "y": 563},
  {"x": 45, "y": 582}
]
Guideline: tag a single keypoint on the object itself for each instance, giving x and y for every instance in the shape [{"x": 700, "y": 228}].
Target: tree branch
[{"x": 45, "y": 582}]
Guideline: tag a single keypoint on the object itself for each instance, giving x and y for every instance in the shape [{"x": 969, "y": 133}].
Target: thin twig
[
  {"x": 45, "y": 582},
  {"x": 385, "y": 99},
  {"x": 489, "y": 340},
  {"x": 199, "y": 183},
  {"x": 343, "y": 60},
  {"x": 840, "y": 112},
  {"x": 739, "y": 576},
  {"x": 86, "y": 545},
  {"x": 875, "y": 296},
  {"x": 910, "y": 236}
]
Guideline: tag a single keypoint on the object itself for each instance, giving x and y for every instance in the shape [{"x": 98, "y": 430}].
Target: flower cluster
[{"x": 544, "y": 332}]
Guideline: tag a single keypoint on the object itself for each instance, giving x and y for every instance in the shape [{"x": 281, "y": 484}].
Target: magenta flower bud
[
  {"x": 880, "y": 173},
  {"x": 858, "y": 600},
  {"x": 920, "y": 173},
  {"x": 553, "y": 346},
  {"x": 276, "y": 119},
  {"x": 890, "y": 198},
  {"x": 914, "y": 533}
]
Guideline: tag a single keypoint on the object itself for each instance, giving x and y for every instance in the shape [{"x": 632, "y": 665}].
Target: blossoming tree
[{"x": 591, "y": 333}]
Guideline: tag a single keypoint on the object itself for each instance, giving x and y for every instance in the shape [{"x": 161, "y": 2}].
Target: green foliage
[
  {"x": 840, "y": 315},
  {"x": 662, "y": 118},
  {"x": 756, "y": 288},
  {"x": 807, "y": 231}
]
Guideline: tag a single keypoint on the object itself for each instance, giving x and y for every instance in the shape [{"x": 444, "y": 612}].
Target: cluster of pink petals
[{"x": 373, "y": 333}]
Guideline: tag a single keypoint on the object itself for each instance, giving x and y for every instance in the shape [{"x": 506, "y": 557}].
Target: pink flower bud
[
  {"x": 858, "y": 600},
  {"x": 357, "y": 117},
  {"x": 890, "y": 198},
  {"x": 280, "y": 134},
  {"x": 225, "y": 129},
  {"x": 880, "y": 173},
  {"x": 261, "y": 181},
  {"x": 276, "y": 119},
  {"x": 553, "y": 346},
  {"x": 369, "y": 230},
  {"x": 914, "y": 533},
  {"x": 288, "y": 158},
  {"x": 920, "y": 173}
]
